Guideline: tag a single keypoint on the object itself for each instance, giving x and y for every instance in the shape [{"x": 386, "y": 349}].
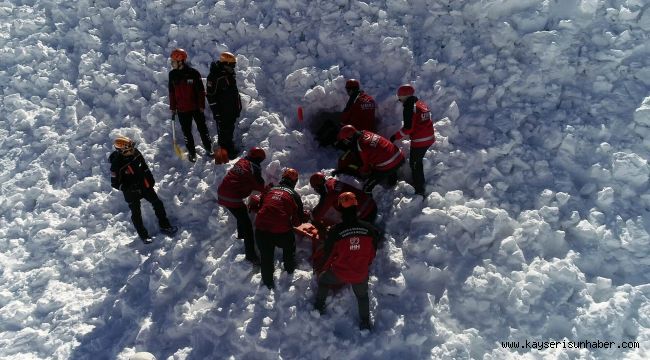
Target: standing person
[
  {"x": 224, "y": 100},
  {"x": 349, "y": 250},
  {"x": 419, "y": 127},
  {"x": 381, "y": 158},
  {"x": 280, "y": 210},
  {"x": 187, "y": 100},
  {"x": 131, "y": 175},
  {"x": 359, "y": 111},
  {"x": 244, "y": 177}
]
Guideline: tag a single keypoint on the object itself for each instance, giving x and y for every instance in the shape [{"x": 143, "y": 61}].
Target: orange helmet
[
  {"x": 178, "y": 55},
  {"x": 346, "y": 132},
  {"x": 352, "y": 84},
  {"x": 347, "y": 199},
  {"x": 290, "y": 174},
  {"x": 227, "y": 57},
  {"x": 257, "y": 154},
  {"x": 405, "y": 90},
  {"x": 123, "y": 143},
  {"x": 317, "y": 180}
]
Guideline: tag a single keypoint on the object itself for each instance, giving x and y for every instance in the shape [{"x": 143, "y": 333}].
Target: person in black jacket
[
  {"x": 186, "y": 99},
  {"x": 131, "y": 175},
  {"x": 224, "y": 100}
]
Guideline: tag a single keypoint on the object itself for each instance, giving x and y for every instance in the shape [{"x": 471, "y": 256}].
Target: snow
[{"x": 535, "y": 227}]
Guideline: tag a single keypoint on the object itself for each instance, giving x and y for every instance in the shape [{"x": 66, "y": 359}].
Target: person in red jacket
[
  {"x": 280, "y": 210},
  {"x": 187, "y": 100},
  {"x": 419, "y": 127},
  {"x": 240, "y": 181},
  {"x": 359, "y": 111},
  {"x": 350, "y": 248},
  {"x": 327, "y": 213},
  {"x": 380, "y": 158},
  {"x": 131, "y": 175}
]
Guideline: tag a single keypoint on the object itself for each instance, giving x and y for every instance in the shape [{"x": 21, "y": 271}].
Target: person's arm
[
  {"x": 199, "y": 90},
  {"x": 115, "y": 174}
]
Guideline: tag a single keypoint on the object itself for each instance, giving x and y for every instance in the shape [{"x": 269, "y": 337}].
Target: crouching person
[
  {"x": 131, "y": 175},
  {"x": 349, "y": 250}
]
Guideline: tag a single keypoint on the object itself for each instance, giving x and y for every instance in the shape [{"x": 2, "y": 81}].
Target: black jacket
[
  {"x": 221, "y": 91},
  {"x": 130, "y": 173}
]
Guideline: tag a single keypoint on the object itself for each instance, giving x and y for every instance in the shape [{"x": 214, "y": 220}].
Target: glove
[
  {"x": 392, "y": 138},
  {"x": 336, "y": 172}
]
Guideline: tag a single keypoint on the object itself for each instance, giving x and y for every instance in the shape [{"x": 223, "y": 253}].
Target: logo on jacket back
[
  {"x": 367, "y": 106},
  {"x": 355, "y": 244},
  {"x": 373, "y": 139}
]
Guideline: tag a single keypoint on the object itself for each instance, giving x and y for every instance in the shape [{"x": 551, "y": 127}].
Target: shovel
[{"x": 177, "y": 149}]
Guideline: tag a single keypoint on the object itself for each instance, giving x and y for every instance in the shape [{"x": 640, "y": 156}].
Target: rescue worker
[
  {"x": 419, "y": 127},
  {"x": 326, "y": 212},
  {"x": 187, "y": 101},
  {"x": 349, "y": 250},
  {"x": 224, "y": 100},
  {"x": 240, "y": 181},
  {"x": 280, "y": 210},
  {"x": 131, "y": 175},
  {"x": 380, "y": 158},
  {"x": 359, "y": 111}
]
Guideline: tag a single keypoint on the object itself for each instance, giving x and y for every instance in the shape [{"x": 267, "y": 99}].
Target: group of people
[
  {"x": 187, "y": 98},
  {"x": 347, "y": 240}
]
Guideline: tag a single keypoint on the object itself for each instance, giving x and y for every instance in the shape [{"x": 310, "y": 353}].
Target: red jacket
[
  {"x": 417, "y": 124},
  {"x": 350, "y": 249},
  {"x": 244, "y": 177},
  {"x": 377, "y": 153},
  {"x": 281, "y": 210},
  {"x": 327, "y": 212},
  {"x": 186, "y": 91},
  {"x": 360, "y": 112}
]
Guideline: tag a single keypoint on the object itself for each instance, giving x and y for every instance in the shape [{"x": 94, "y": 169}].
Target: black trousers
[
  {"x": 133, "y": 199},
  {"x": 225, "y": 131},
  {"x": 376, "y": 177},
  {"x": 185, "y": 118},
  {"x": 417, "y": 168},
  {"x": 267, "y": 242},
  {"x": 360, "y": 291},
  {"x": 244, "y": 230}
]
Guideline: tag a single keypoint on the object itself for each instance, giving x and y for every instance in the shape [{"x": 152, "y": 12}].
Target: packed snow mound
[{"x": 535, "y": 226}]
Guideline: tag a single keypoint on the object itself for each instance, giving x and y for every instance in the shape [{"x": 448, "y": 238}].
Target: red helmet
[
  {"x": 290, "y": 174},
  {"x": 405, "y": 90},
  {"x": 352, "y": 84},
  {"x": 317, "y": 180},
  {"x": 178, "y": 55},
  {"x": 346, "y": 132},
  {"x": 347, "y": 199},
  {"x": 257, "y": 154}
]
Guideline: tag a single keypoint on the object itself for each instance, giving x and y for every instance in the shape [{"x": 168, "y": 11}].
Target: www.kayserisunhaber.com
[{"x": 568, "y": 344}]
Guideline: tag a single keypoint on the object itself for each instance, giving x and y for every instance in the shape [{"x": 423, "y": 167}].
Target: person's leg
[
  {"x": 245, "y": 231},
  {"x": 265, "y": 244},
  {"x": 325, "y": 280},
  {"x": 136, "y": 218},
  {"x": 185, "y": 119},
  {"x": 363, "y": 302},
  {"x": 417, "y": 169},
  {"x": 226, "y": 133},
  {"x": 201, "y": 126},
  {"x": 287, "y": 242},
  {"x": 158, "y": 207}
]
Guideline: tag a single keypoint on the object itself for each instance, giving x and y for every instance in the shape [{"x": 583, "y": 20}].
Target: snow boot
[{"x": 171, "y": 230}]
